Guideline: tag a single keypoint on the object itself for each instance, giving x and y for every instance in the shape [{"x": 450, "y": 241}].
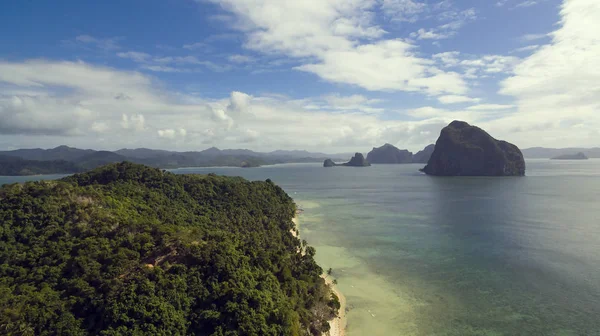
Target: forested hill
[{"x": 126, "y": 249}]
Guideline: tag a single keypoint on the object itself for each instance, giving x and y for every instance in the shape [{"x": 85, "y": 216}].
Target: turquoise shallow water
[{"x": 418, "y": 255}]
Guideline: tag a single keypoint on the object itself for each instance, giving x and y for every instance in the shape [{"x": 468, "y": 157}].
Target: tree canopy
[{"x": 131, "y": 250}]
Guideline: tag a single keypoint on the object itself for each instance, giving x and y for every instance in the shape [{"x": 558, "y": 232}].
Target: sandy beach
[{"x": 338, "y": 324}]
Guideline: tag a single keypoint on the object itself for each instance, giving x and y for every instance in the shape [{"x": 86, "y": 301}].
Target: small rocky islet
[{"x": 358, "y": 160}]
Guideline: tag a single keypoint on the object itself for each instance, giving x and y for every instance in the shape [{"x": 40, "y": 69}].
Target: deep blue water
[{"x": 420, "y": 255}]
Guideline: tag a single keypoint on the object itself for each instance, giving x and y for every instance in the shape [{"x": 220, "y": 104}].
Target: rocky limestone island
[
  {"x": 358, "y": 160},
  {"x": 578, "y": 156},
  {"x": 389, "y": 154},
  {"x": 465, "y": 150},
  {"x": 329, "y": 163},
  {"x": 424, "y": 155}
]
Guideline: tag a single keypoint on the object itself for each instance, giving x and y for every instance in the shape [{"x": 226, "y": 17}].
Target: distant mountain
[
  {"x": 100, "y": 158},
  {"x": 577, "y": 156},
  {"x": 86, "y": 159},
  {"x": 424, "y": 155},
  {"x": 547, "y": 153},
  {"x": 142, "y": 153},
  {"x": 59, "y": 153},
  {"x": 16, "y": 166},
  {"x": 389, "y": 154}
]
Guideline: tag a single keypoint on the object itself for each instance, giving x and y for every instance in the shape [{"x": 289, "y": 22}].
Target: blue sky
[{"x": 330, "y": 75}]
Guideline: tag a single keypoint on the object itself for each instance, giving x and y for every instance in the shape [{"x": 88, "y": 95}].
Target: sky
[{"x": 320, "y": 75}]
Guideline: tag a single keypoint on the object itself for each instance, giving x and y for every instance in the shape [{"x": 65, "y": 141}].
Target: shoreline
[{"x": 338, "y": 324}]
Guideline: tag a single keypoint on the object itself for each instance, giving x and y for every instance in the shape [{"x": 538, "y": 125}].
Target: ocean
[{"x": 422, "y": 255}]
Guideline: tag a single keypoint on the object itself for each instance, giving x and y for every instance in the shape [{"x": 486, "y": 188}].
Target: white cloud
[
  {"x": 533, "y": 37},
  {"x": 336, "y": 102},
  {"x": 337, "y": 45},
  {"x": 41, "y": 115},
  {"x": 100, "y": 127},
  {"x": 134, "y": 122},
  {"x": 456, "y": 20},
  {"x": 559, "y": 83},
  {"x": 135, "y": 56},
  {"x": 167, "y": 133},
  {"x": 455, "y": 99},
  {"x": 521, "y": 4},
  {"x": 74, "y": 102},
  {"x": 171, "y": 63},
  {"x": 403, "y": 10},
  {"x": 240, "y": 59},
  {"x": 423, "y": 34},
  {"x": 527, "y": 48},
  {"x": 527, "y": 3},
  {"x": 477, "y": 66},
  {"x": 163, "y": 68},
  {"x": 484, "y": 107}
]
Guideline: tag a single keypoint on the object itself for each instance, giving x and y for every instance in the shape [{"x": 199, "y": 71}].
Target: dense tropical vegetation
[
  {"x": 131, "y": 250},
  {"x": 15, "y": 166}
]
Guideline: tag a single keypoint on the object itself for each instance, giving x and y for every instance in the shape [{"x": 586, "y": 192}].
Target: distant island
[
  {"x": 577, "y": 156},
  {"x": 131, "y": 250},
  {"x": 69, "y": 160},
  {"x": 465, "y": 150},
  {"x": 549, "y": 153},
  {"x": 424, "y": 155},
  {"x": 390, "y": 154},
  {"x": 358, "y": 160}
]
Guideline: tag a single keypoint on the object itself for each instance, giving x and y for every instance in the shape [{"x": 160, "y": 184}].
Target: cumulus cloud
[
  {"x": 490, "y": 107},
  {"x": 134, "y": 122},
  {"x": 338, "y": 43},
  {"x": 454, "y": 21},
  {"x": 73, "y": 102},
  {"x": 403, "y": 10},
  {"x": 477, "y": 66},
  {"x": 167, "y": 133},
  {"x": 560, "y": 82},
  {"x": 41, "y": 115},
  {"x": 454, "y": 99}
]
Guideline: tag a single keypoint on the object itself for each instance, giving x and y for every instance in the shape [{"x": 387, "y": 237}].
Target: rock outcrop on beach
[
  {"x": 424, "y": 155},
  {"x": 358, "y": 160},
  {"x": 329, "y": 163},
  {"x": 465, "y": 150},
  {"x": 389, "y": 154},
  {"x": 578, "y": 156}
]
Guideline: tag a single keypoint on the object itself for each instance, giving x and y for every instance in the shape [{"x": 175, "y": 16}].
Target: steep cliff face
[
  {"x": 424, "y": 155},
  {"x": 389, "y": 154},
  {"x": 358, "y": 160},
  {"x": 465, "y": 150}
]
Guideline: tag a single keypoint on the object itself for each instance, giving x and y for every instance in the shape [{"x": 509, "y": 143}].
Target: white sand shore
[
  {"x": 296, "y": 227},
  {"x": 338, "y": 324}
]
